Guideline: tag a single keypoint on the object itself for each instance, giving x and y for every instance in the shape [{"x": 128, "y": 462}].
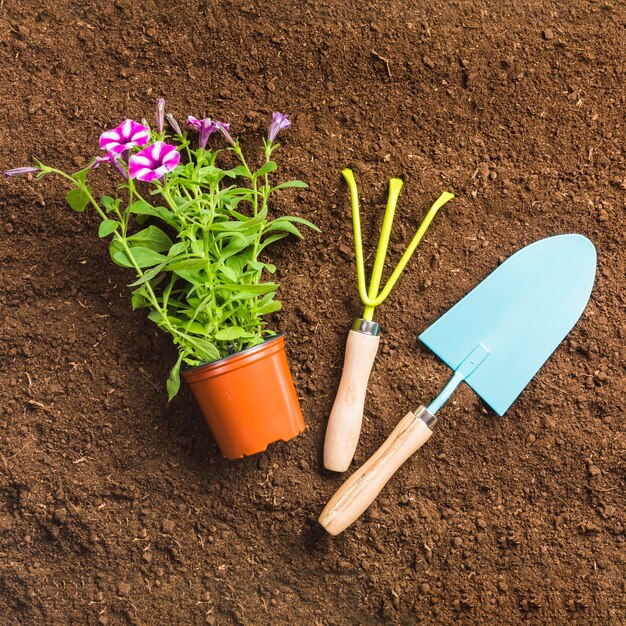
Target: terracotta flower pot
[{"x": 248, "y": 399}]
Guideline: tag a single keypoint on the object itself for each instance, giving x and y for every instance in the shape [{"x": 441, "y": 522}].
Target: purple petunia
[
  {"x": 205, "y": 127},
  {"x": 126, "y": 136},
  {"x": 279, "y": 122},
  {"x": 22, "y": 171},
  {"x": 153, "y": 162}
]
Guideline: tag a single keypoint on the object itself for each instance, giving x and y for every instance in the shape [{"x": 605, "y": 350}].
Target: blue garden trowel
[{"x": 495, "y": 339}]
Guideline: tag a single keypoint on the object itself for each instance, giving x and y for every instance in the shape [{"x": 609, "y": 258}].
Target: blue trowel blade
[{"x": 521, "y": 312}]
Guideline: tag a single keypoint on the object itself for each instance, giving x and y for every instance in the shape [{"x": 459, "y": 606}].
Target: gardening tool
[
  {"x": 344, "y": 424},
  {"x": 495, "y": 339}
]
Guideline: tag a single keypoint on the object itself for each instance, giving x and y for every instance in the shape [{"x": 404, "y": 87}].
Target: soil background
[{"x": 116, "y": 507}]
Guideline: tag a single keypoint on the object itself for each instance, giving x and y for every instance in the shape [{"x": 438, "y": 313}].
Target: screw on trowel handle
[
  {"x": 361, "y": 489},
  {"x": 344, "y": 424}
]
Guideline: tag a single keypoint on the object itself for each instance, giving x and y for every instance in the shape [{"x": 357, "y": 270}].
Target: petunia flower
[
  {"x": 224, "y": 128},
  {"x": 160, "y": 114},
  {"x": 171, "y": 120},
  {"x": 279, "y": 122},
  {"x": 153, "y": 162},
  {"x": 111, "y": 159},
  {"x": 205, "y": 127},
  {"x": 126, "y": 136},
  {"x": 22, "y": 171}
]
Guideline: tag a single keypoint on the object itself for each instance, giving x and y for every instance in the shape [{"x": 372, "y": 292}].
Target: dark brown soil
[{"x": 116, "y": 507}]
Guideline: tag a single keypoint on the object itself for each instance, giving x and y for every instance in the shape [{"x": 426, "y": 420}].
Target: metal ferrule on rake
[{"x": 344, "y": 425}]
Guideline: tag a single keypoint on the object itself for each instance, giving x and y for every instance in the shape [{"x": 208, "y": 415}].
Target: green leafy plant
[{"x": 194, "y": 233}]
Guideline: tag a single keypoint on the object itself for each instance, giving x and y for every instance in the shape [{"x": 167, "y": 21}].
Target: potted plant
[{"x": 194, "y": 232}]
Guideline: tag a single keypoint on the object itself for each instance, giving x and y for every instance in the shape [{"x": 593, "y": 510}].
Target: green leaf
[
  {"x": 193, "y": 277},
  {"x": 221, "y": 226},
  {"x": 289, "y": 184},
  {"x": 271, "y": 307},
  {"x": 300, "y": 220},
  {"x": 167, "y": 291},
  {"x": 283, "y": 225},
  {"x": 209, "y": 170},
  {"x": 187, "y": 264},
  {"x": 255, "y": 289},
  {"x": 149, "y": 275},
  {"x": 120, "y": 257},
  {"x": 114, "y": 247},
  {"x": 110, "y": 204},
  {"x": 77, "y": 199},
  {"x": 258, "y": 266},
  {"x": 271, "y": 239},
  {"x": 235, "y": 263},
  {"x": 153, "y": 238},
  {"x": 178, "y": 248},
  {"x": 268, "y": 167},
  {"x": 141, "y": 207},
  {"x": 195, "y": 327},
  {"x": 138, "y": 300},
  {"x": 203, "y": 348},
  {"x": 173, "y": 380},
  {"x": 268, "y": 297},
  {"x": 144, "y": 257},
  {"x": 107, "y": 227},
  {"x": 230, "y": 333},
  {"x": 229, "y": 273},
  {"x": 240, "y": 170},
  {"x": 237, "y": 244},
  {"x": 155, "y": 316},
  {"x": 81, "y": 175},
  {"x": 197, "y": 247}
]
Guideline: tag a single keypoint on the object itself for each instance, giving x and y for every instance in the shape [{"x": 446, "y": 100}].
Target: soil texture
[{"x": 116, "y": 507}]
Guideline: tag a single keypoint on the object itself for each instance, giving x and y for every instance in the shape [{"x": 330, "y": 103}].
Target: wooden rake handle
[
  {"x": 361, "y": 489},
  {"x": 344, "y": 424}
]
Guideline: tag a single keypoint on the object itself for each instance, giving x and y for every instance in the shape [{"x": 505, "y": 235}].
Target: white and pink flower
[
  {"x": 153, "y": 162},
  {"x": 126, "y": 136}
]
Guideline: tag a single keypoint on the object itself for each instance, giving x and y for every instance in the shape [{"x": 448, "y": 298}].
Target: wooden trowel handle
[
  {"x": 344, "y": 424},
  {"x": 361, "y": 489}
]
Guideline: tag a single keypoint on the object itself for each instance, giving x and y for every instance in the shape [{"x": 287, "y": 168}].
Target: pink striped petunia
[
  {"x": 153, "y": 162},
  {"x": 126, "y": 136}
]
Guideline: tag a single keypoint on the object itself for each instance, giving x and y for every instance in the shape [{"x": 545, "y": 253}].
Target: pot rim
[{"x": 190, "y": 368}]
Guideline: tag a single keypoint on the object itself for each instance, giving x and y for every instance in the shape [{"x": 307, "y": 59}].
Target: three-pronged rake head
[{"x": 372, "y": 297}]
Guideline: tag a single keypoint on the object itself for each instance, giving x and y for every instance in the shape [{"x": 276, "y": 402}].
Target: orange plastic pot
[{"x": 248, "y": 399}]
